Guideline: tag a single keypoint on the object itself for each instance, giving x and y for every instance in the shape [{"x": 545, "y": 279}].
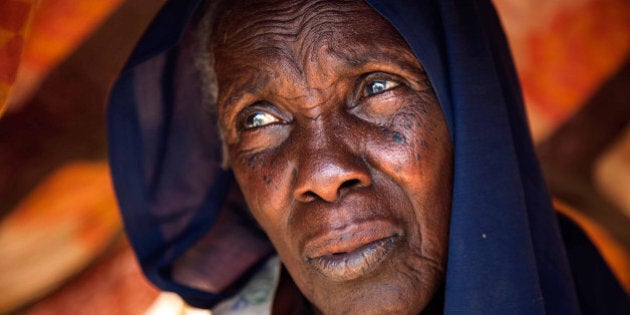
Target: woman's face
[{"x": 341, "y": 150}]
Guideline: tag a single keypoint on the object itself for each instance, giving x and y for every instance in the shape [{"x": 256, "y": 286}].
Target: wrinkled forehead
[{"x": 302, "y": 28}]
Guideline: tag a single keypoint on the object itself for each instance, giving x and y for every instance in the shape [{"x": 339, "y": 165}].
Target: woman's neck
[{"x": 290, "y": 301}]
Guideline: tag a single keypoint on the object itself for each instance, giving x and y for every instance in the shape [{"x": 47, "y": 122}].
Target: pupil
[
  {"x": 256, "y": 120},
  {"x": 377, "y": 87}
]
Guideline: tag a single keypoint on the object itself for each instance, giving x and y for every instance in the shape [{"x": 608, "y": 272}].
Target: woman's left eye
[{"x": 378, "y": 87}]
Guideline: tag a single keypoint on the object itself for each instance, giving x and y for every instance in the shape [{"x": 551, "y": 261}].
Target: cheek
[
  {"x": 265, "y": 180},
  {"x": 260, "y": 178},
  {"x": 410, "y": 145},
  {"x": 414, "y": 151}
]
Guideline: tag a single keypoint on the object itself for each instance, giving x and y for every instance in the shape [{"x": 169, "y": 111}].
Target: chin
[{"x": 403, "y": 283}]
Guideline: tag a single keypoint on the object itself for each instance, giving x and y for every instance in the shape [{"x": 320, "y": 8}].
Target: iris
[
  {"x": 259, "y": 119},
  {"x": 378, "y": 87}
]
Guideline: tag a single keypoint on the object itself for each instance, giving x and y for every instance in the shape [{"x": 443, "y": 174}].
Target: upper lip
[{"x": 348, "y": 238}]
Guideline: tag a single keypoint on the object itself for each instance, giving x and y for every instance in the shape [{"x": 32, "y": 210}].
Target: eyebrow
[
  {"x": 403, "y": 57},
  {"x": 237, "y": 93},
  {"x": 257, "y": 79}
]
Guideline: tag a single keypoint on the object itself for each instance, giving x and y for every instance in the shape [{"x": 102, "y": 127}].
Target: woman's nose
[{"x": 328, "y": 172}]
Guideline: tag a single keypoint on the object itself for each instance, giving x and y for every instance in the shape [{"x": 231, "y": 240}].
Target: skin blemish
[
  {"x": 398, "y": 138},
  {"x": 410, "y": 116},
  {"x": 266, "y": 179},
  {"x": 424, "y": 144},
  {"x": 252, "y": 162}
]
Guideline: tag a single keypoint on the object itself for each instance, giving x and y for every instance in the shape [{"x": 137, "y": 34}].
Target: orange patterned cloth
[
  {"x": 59, "y": 228},
  {"x": 36, "y": 35},
  {"x": 14, "y": 24},
  {"x": 563, "y": 51}
]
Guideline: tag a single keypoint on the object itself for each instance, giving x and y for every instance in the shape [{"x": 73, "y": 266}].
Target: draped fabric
[{"x": 506, "y": 252}]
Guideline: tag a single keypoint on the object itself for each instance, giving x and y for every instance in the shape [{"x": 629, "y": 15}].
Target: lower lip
[{"x": 354, "y": 264}]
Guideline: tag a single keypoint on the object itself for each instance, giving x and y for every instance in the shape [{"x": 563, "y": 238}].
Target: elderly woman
[{"x": 379, "y": 148}]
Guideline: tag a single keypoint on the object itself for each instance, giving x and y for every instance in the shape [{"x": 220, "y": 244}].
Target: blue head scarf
[{"x": 506, "y": 251}]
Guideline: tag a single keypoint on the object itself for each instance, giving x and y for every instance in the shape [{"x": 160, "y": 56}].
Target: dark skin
[{"x": 340, "y": 148}]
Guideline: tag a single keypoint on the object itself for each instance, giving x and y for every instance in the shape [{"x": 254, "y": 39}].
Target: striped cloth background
[
  {"x": 14, "y": 21},
  {"x": 36, "y": 35}
]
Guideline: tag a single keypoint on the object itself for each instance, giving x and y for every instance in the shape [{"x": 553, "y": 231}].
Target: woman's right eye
[{"x": 259, "y": 119}]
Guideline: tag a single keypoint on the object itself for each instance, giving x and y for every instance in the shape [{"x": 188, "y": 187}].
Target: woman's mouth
[{"x": 350, "y": 255}]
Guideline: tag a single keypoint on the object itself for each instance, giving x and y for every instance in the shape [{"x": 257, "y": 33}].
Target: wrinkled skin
[{"x": 339, "y": 145}]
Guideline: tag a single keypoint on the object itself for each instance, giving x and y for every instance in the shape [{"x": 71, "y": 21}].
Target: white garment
[{"x": 256, "y": 297}]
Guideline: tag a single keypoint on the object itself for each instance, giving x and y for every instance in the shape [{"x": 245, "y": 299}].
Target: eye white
[
  {"x": 259, "y": 119},
  {"x": 379, "y": 86}
]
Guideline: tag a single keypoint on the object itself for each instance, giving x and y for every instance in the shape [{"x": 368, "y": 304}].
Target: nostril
[
  {"x": 350, "y": 183},
  {"x": 330, "y": 179},
  {"x": 309, "y": 196}
]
